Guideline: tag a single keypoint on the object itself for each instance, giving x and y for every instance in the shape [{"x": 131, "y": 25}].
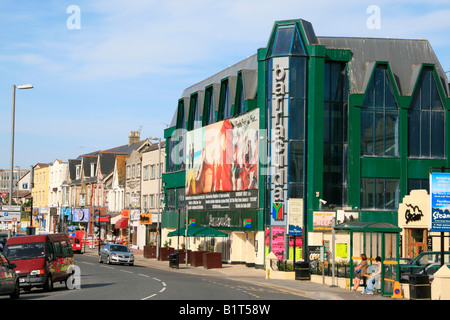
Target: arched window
[
  {"x": 426, "y": 119},
  {"x": 380, "y": 117}
]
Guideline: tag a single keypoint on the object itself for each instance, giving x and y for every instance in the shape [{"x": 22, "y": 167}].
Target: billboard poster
[
  {"x": 80, "y": 215},
  {"x": 440, "y": 201},
  {"x": 322, "y": 221},
  {"x": 223, "y": 157},
  {"x": 278, "y": 239},
  {"x": 295, "y": 217}
]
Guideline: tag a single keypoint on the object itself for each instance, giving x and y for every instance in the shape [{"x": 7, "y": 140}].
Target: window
[
  {"x": 170, "y": 200},
  {"x": 152, "y": 172},
  {"x": 128, "y": 172},
  {"x": 152, "y": 201},
  {"x": 426, "y": 119},
  {"x": 78, "y": 172},
  {"x": 145, "y": 173},
  {"x": 210, "y": 109},
  {"x": 418, "y": 184},
  {"x": 380, "y": 193},
  {"x": 380, "y": 117},
  {"x": 335, "y": 134},
  {"x": 225, "y": 102},
  {"x": 240, "y": 105},
  {"x": 195, "y": 113}
]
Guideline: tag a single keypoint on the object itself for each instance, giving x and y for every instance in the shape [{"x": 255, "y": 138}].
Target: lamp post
[
  {"x": 158, "y": 233},
  {"x": 24, "y": 86}
]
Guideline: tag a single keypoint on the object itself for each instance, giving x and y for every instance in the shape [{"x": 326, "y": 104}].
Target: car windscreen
[
  {"x": 23, "y": 251},
  {"x": 119, "y": 248}
]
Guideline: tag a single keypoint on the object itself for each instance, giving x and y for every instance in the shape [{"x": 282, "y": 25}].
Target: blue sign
[{"x": 440, "y": 202}]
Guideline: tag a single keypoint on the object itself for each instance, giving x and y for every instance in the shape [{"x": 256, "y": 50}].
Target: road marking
[
  {"x": 162, "y": 290},
  {"x": 144, "y": 275},
  {"x": 149, "y": 297},
  {"x": 156, "y": 279},
  {"x": 90, "y": 263},
  {"x": 126, "y": 271}
]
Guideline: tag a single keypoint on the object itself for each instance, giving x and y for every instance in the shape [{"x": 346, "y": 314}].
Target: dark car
[
  {"x": 9, "y": 281},
  {"x": 116, "y": 253},
  {"x": 422, "y": 260}
]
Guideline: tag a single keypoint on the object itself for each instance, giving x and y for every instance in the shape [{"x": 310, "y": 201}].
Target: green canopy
[
  {"x": 355, "y": 226},
  {"x": 197, "y": 232}
]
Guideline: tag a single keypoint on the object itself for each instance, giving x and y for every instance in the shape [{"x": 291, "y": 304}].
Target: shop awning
[
  {"x": 198, "y": 232},
  {"x": 381, "y": 227},
  {"x": 121, "y": 223}
]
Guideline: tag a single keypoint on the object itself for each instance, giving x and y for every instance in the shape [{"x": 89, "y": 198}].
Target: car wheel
[
  {"x": 100, "y": 259},
  {"x": 16, "y": 293},
  {"x": 108, "y": 260},
  {"x": 48, "y": 285}
]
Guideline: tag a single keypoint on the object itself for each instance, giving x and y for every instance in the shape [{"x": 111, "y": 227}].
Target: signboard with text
[{"x": 440, "y": 201}]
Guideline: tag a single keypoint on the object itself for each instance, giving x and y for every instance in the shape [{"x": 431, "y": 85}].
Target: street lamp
[
  {"x": 158, "y": 233},
  {"x": 23, "y": 86}
]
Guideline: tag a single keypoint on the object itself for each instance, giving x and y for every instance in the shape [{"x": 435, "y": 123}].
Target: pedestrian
[
  {"x": 360, "y": 270},
  {"x": 373, "y": 277}
]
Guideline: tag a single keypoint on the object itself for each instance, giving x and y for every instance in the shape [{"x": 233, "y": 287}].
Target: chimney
[{"x": 133, "y": 137}]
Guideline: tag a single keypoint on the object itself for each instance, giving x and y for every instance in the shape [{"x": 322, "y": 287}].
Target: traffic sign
[
  {"x": 10, "y": 216},
  {"x": 11, "y": 208}
]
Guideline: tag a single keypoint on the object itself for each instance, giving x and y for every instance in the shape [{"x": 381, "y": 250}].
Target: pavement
[{"x": 255, "y": 276}]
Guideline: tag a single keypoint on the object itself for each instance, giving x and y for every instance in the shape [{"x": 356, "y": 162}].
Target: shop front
[{"x": 414, "y": 216}]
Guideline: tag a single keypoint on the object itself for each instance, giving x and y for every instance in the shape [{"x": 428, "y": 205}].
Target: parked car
[
  {"x": 116, "y": 253},
  {"x": 429, "y": 270},
  {"x": 422, "y": 260},
  {"x": 41, "y": 259},
  {"x": 9, "y": 281}
]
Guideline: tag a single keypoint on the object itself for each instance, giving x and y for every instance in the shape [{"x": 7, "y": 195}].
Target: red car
[{"x": 41, "y": 260}]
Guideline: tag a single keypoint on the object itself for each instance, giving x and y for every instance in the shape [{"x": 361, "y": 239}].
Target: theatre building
[{"x": 307, "y": 129}]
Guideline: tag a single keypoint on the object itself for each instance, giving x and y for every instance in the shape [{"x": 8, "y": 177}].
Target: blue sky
[{"x": 127, "y": 65}]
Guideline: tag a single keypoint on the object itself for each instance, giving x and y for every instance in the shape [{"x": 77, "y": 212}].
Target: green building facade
[{"x": 345, "y": 125}]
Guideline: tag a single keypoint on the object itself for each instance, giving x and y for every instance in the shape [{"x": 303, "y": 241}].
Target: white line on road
[
  {"x": 144, "y": 275},
  {"x": 90, "y": 263},
  {"x": 149, "y": 297},
  {"x": 126, "y": 271}
]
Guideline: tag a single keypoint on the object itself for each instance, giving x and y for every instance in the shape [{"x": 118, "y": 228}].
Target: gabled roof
[{"x": 404, "y": 56}]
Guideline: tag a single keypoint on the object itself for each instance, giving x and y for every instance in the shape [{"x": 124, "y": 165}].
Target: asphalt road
[{"x": 99, "y": 281}]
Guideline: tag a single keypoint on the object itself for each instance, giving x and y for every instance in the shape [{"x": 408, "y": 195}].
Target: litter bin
[
  {"x": 302, "y": 270},
  {"x": 419, "y": 287},
  {"x": 173, "y": 260}
]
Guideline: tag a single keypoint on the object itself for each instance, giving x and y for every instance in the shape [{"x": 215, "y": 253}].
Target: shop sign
[
  {"x": 440, "y": 201},
  {"x": 145, "y": 218},
  {"x": 414, "y": 210}
]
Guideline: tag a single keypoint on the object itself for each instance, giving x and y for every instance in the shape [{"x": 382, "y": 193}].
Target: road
[{"x": 99, "y": 281}]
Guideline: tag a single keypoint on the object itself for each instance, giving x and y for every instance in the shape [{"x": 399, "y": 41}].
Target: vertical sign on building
[
  {"x": 278, "y": 141},
  {"x": 440, "y": 201}
]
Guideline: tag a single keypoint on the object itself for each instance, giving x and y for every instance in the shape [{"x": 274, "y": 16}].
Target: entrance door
[{"x": 416, "y": 242}]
